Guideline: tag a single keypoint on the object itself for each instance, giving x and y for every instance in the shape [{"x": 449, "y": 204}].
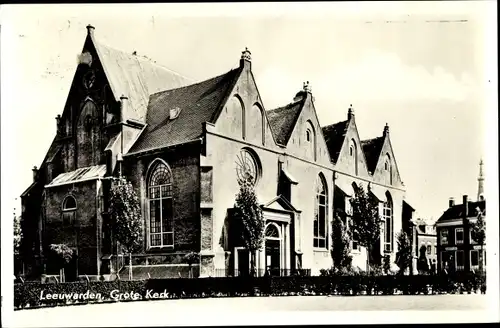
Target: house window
[
  {"x": 459, "y": 235},
  {"x": 387, "y": 216},
  {"x": 308, "y": 135},
  {"x": 474, "y": 260},
  {"x": 429, "y": 249},
  {"x": 443, "y": 236},
  {"x": 321, "y": 213},
  {"x": 460, "y": 261},
  {"x": 161, "y": 232},
  {"x": 69, "y": 210},
  {"x": 472, "y": 236}
]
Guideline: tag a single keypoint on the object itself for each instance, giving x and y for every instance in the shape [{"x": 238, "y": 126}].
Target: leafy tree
[
  {"x": 422, "y": 262},
  {"x": 191, "y": 258},
  {"x": 249, "y": 213},
  {"x": 366, "y": 220},
  {"x": 18, "y": 234},
  {"x": 479, "y": 234},
  {"x": 403, "y": 256},
  {"x": 340, "y": 251},
  {"x": 126, "y": 218},
  {"x": 63, "y": 254}
]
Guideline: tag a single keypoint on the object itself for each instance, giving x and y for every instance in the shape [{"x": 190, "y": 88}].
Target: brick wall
[{"x": 184, "y": 164}]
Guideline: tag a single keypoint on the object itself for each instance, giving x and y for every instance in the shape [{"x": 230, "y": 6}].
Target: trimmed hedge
[{"x": 29, "y": 294}]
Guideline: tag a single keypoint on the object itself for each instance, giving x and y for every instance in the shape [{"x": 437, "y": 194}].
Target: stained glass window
[
  {"x": 247, "y": 169},
  {"x": 161, "y": 230},
  {"x": 320, "y": 215}
]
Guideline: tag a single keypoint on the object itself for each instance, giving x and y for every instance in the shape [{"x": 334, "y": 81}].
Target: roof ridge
[{"x": 196, "y": 83}]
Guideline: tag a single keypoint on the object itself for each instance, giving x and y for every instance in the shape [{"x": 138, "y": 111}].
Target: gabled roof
[
  {"x": 197, "y": 104},
  {"x": 334, "y": 136},
  {"x": 371, "y": 149},
  {"x": 457, "y": 211},
  {"x": 136, "y": 77},
  {"x": 283, "y": 119}
]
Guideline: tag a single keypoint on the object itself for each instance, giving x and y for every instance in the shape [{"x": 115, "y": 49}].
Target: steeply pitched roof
[
  {"x": 457, "y": 211},
  {"x": 371, "y": 149},
  {"x": 197, "y": 103},
  {"x": 283, "y": 119},
  {"x": 334, "y": 136},
  {"x": 136, "y": 77}
]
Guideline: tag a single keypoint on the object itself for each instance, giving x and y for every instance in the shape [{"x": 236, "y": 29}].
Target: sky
[{"x": 420, "y": 67}]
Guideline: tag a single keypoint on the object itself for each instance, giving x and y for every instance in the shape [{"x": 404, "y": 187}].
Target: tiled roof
[
  {"x": 136, "y": 77},
  {"x": 457, "y": 211},
  {"x": 78, "y": 175},
  {"x": 371, "y": 149},
  {"x": 198, "y": 103},
  {"x": 283, "y": 119},
  {"x": 334, "y": 136}
]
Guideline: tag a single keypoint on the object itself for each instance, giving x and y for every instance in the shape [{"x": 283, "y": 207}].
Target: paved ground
[{"x": 253, "y": 310}]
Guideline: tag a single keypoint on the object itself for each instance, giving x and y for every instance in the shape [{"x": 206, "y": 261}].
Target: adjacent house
[
  {"x": 458, "y": 249},
  {"x": 184, "y": 146}
]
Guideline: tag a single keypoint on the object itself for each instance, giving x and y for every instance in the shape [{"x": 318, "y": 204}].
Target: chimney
[
  {"x": 58, "y": 124},
  {"x": 90, "y": 30},
  {"x": 246, "y": 59},
  {"x": 466, "y": 205},
  {"x": 451, "y": 202},
  {"x": 350, "y": 112},
  {"x": 35, "y": 173},
  {"x": 124, "y": 106},
  {"x": 386, "y": 130}
]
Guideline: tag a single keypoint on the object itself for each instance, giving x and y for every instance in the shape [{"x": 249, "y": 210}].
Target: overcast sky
[{"x": 419, "y": 67}]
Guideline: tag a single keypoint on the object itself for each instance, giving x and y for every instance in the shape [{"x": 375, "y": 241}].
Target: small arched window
[
  {"x": 353, "y": 152},
  {"x": 272, "y": 231},
  {"x": 69, "y": 210},
  {"x": 161, "y": 228},
  {"x": 308, "y": 135},
  {"x": 388, "y": 167}
]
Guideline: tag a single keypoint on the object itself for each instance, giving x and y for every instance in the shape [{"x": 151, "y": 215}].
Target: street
[{"x": 262, "y": 310}]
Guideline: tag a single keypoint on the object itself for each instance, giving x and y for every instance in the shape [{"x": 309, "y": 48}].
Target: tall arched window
[
  {"x": 387, "y": 215},
  {"x": 69, "y": 210},
  {"x": 161, "y": 228},
  {"x": 353, "y": 153},
  {"x": 321, "y": 213}
]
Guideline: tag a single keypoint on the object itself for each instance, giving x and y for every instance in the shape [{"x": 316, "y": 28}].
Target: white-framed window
[
  {"x": 321, "y": 213},
  {"x": 429, "y": 249},
  {"x": 387, "y": 216},
  {"x": 474, "y": 259},
  {"x": 443, "y": 236},
  {"x": 460, "y": 261},
  {"x": 459, "y": 235},
  {"x": 69, "y": 210},
  {"x": 161, "y": 228},
  {"x": 472, "y": 236}
]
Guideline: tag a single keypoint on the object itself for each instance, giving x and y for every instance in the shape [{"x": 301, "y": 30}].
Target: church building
[{"x": 184, "y": 146}]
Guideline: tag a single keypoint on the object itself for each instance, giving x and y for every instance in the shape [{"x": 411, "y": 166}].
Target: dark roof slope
[
  {"x": 197, "y": 103},
  {"x": 283, "y": 119},
  {"x": 371, "y": 149},
  {"x": 457, "y": 211},
  {"x": 334, "y": 136}
]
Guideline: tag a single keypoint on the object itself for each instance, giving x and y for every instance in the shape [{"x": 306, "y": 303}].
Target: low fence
[{"x": 33, "y": 295}]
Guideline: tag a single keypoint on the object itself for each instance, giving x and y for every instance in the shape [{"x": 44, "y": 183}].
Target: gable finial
[
  {"x": 386, "y": 129},
  {"x": 90, "y": 29},
  {"x": 350, "y": 112},
  {"x": 246, "y": 55},
  {"x": 307, "y": 87}
]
